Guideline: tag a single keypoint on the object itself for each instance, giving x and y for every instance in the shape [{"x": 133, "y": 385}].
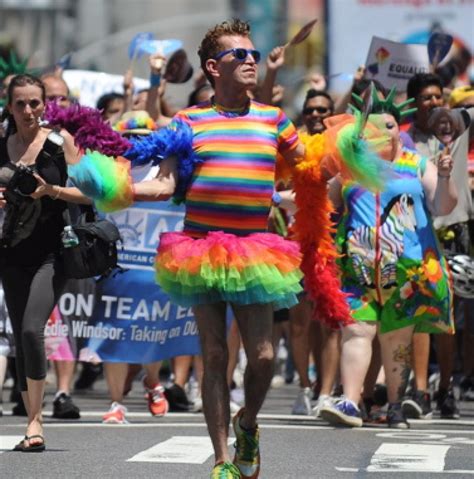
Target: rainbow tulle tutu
[{"x": 258, "y": 268}]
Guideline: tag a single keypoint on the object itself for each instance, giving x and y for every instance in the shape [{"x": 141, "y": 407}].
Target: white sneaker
[
  {"x": 234, "y": 407},
  {"x": 115, "y": 415},
  {"x": 197, "y": 404},
  {"x": 237, "y": 395},
  {"x": 277, "y": 381},
  {"x": 302, "y": 405},
  {"x": 324, "y": 400}
]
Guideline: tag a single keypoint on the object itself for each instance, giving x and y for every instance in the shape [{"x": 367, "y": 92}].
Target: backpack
[{"x": 96, "y": 253}]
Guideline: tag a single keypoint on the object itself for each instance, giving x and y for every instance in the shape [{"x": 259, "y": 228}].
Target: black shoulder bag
[{"x": 96, "y": 253}]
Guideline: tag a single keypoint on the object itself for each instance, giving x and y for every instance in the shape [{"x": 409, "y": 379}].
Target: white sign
[
  {"x": 393, "y": 63},
  {"x": 89, "y": 86}
]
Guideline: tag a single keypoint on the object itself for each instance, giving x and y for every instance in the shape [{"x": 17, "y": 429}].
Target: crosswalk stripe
[
  {"x": 8, "y": 442},
  {"x": 392, "y": 457},
  {"x": 271, "y": 417},
  {"x": 178, "y": 450}
]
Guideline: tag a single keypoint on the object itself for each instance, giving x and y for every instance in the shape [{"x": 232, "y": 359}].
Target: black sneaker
[
  {"x": 177, "y": 399},
  {"x": 64, "y": 408},
  {"x": 396, "y": 418},
  {"x": 89, "y": 374},
  {"x": 380, "y": 394},
  {"x": 466, "y": 389},
  {"x": 418, "y": 406},
  {"x": 446, "y": 403},
  {"x": 19, "y": 409}
]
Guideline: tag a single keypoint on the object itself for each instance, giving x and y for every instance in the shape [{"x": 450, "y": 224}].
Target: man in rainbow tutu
[
  {"x": 220, "y": 157},
  {"x": 224, "y": 254}
]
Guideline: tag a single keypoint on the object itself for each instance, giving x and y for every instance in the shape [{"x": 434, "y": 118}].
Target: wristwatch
[{"x": 56, "y": 138}]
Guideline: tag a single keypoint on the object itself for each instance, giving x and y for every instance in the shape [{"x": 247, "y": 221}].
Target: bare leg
[
  {"x": 215, "y": 391},
  {"x": 115, "y": 374},
  {"x": 396, "y": 349},
  {"x": 355, "y": 357},
  {"x": 132, "y": 371},
  {"x": 182, "y": 365},
  {"x": 374, "y": 369},
  {"x": 468, "y": 339},
  {"x": 152, "y": 377},
  {"x": 256, "y": 326},
  {"x": 64, "y": 375},
  {"x": 198, "y": 369},
  {"x": 3, "y": 372},
  {"x": 33, "y": 399},
  {"x": 233, "y": 345},
  {"x": 300, "y": 318},
  {"x": 420, "y": 359},
  {"x": 330, "y": 359},
  {"x": 445, "y": 347}
]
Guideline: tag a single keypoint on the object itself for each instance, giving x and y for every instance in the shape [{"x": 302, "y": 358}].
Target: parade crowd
[{"x": 333, "y": 249}]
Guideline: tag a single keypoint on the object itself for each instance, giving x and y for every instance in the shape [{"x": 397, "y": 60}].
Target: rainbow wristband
[{"x": 155, "y": 79}]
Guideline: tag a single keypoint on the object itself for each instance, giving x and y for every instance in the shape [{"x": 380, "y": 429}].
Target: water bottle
[{"x": 69, "y": 237}]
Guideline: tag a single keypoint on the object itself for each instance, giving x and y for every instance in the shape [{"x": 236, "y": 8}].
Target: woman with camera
[{"x": 33, "y": 174}]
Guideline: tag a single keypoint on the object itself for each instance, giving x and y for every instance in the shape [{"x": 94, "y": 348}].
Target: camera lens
[{"x": 26, "y": 183}]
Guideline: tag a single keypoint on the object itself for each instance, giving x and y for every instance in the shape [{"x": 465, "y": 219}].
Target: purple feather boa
[{"x": 87, "y": 127}]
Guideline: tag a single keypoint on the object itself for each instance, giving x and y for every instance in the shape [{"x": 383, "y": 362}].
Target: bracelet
[
  {"x": 155, "y": 79},
  {"x": 444, "y": 176},
  {"x": 56, "y": 196},
  {"x": 276, "y": 198}
]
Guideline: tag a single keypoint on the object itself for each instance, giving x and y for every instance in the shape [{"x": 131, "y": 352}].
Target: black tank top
[{"x": 45, "y": 239}]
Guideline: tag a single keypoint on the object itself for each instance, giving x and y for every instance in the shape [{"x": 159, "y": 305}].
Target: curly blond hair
[{"x": 210, "y": 47}]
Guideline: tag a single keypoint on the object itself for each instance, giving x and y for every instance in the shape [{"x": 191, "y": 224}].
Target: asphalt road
[{"x": 292, "y": 446}]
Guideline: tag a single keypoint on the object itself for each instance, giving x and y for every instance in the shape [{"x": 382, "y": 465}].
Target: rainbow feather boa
[
  {"x": 313, "y": 228},
  {"x": 176, "y": 140},
  {"x": 105, "y": 179}
]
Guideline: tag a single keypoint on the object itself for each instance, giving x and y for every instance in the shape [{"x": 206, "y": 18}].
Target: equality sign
[{"x": 393, "y": 63}]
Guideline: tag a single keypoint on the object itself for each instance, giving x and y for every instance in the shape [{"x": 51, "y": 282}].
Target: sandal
[
  {"x": 20, "y": 445},
  {"x": 39, "y": 447}
]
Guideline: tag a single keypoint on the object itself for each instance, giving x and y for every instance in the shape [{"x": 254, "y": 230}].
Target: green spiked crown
[
  {"x": 387, "y": 105},
  {"x": 13, "y": 66}
]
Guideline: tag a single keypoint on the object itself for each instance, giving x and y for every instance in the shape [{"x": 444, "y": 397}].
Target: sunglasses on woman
[{"x": 240, "y": 54}]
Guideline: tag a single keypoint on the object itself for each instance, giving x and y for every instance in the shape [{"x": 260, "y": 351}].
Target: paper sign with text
[{"x": 393, "y": 63}]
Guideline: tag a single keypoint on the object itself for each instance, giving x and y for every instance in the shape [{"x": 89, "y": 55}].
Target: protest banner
[
  {"x": 393, "y": 63},
  {"x": 88, "y": 86}
]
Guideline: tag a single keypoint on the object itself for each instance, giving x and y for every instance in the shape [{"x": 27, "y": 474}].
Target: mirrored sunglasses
[{"x": 240, "y": 54}]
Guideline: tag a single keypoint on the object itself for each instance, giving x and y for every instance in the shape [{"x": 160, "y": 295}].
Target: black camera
[{"x": 23, "y": 181}]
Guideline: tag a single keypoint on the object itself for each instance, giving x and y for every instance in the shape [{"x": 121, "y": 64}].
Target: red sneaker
[
  {"x": 157, "y": 403},
  {"x": 115, "y": 415}
]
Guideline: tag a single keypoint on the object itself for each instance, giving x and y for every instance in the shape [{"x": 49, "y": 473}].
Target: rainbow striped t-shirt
[{"x": 231, "y": 190}]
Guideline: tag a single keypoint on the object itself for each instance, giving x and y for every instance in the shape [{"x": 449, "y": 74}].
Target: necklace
[{"x": 230, "y": 112}]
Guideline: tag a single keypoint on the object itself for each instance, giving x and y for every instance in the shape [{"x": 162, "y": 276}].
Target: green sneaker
[
  {"x": 247, "y": 451},
  {"x": 225, "y": 470}
]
